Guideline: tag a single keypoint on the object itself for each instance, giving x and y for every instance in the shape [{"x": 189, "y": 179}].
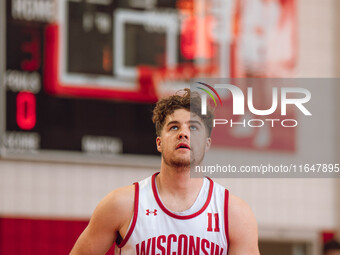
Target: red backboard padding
[{"x": 39, "y": 236}]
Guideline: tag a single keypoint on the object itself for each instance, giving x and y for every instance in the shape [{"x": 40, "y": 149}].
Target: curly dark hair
[
  {"x": 332, "y": 245},
  {"x": 190, "y": 101}
]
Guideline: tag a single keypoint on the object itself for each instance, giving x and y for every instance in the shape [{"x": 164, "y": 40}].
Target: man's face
[{"x": 183, "y": 140}]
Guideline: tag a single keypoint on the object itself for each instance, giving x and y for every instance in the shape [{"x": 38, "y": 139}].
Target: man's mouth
[{"x": 183, "y": 146}]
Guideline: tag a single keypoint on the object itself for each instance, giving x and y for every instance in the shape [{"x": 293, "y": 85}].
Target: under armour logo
[{"x": 154, "y": 212}]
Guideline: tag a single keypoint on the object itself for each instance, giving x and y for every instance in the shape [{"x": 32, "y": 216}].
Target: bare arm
[
  {"x": 110, "y": 218},
  {"x": 243, "y": 233}
]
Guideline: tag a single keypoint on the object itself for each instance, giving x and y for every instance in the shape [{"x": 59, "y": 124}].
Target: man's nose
[{"x": 184, "y": 133}]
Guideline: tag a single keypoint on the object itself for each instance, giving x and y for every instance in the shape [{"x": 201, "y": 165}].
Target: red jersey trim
[
  {"x": 226, "y": 222},
  {"x": 180, "y": 217},
  {"x": 134, "y": 220}
]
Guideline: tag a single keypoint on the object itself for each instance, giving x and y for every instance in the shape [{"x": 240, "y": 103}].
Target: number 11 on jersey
[{"x": 210, "y": 225}]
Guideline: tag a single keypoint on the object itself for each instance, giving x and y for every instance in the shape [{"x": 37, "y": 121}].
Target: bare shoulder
[
  {"x": 122, "y": 197},
  {"x": 238, "y": 209},
  {"x": 243, "y": 232},
  {"x": 117, "y": 206}
]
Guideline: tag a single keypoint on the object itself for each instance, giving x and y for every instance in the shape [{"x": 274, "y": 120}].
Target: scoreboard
[
  {"x": 82, "y": 76},
  {"x": 73, "y": 68}
]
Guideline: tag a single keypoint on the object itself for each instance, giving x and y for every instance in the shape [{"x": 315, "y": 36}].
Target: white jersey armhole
[
  {"x": 226, "y": 216},
  {"x": 133, "y": 219}
]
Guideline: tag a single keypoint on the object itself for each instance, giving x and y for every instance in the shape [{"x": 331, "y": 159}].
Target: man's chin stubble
[{"x": 180, "y": 164}]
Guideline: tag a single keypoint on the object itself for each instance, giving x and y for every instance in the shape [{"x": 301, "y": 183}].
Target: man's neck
[{"x": 177, "y": 190}]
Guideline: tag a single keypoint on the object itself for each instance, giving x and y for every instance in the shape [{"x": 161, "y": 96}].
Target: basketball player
[{"x": 169, "y": 212}]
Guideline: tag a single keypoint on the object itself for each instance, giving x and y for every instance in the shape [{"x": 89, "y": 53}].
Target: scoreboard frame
[
  {"x": 60, "y": 84},
  {"x": 2, "y": 71}
]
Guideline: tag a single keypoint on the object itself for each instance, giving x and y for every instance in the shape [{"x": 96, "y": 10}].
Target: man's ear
[
  {"x": 159, "y": 143},
  {"x": 208, "y": 143}
]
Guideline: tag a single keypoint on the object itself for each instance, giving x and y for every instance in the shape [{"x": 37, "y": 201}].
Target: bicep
[
  {"x": 94, "y": 240},
  {"x": 98, "y": 236}
]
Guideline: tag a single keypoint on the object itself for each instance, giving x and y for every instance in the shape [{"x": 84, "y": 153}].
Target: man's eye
[
  {"x": 193, "y": 128},
  {"x": 174, "y": 128}
]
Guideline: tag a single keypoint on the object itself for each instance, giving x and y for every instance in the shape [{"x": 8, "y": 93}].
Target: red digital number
[
  {"x": 26, "y": 110},
  {"x": 31, "y": 47}
]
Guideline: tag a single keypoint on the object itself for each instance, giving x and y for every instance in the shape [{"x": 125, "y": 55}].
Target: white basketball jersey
[{"x": 154, "y": 229}]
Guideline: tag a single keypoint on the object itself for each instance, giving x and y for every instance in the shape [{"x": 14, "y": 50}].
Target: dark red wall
[{"x": 39, "y": 236}]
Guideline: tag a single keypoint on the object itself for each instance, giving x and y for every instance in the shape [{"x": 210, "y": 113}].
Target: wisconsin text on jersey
[{"x": 183, "y": 245}]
